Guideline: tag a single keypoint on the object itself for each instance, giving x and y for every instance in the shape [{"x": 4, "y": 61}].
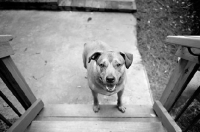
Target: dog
[{"x": 106, "y": 71}]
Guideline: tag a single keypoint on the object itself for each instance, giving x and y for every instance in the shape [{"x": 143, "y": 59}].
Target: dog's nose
[{"x": 110, "y": 79}]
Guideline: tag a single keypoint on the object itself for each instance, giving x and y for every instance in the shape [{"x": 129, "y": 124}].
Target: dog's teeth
[{"x": 112, "y": 89}]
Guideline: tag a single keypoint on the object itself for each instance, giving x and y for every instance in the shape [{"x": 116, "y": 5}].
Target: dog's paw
[
  {"x": 96, "y": 108},
  {"x": 121, "y": 108}
]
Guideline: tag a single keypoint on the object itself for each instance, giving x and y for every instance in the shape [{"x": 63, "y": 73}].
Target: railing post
[
  {"x": 11, "y": 75},
  {"x": 184, "y": 71},
  {"x": 178, "y": 81}
]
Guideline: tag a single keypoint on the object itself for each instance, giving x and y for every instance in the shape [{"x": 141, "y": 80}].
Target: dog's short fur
[{"x": 106, "y": 71}]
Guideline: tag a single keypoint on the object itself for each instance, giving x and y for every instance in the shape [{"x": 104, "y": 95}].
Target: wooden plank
[
  {"x": 15, "y": 82},
  {"x": 186, "y": 41},
  {"x": 112, "y": 4},
  {"x": 184, "y": 53},
  {"x": 124, "y": 5},
  {"x": 22, "y": 123},
  {"x": 6, "y": 38},
  {"x": 106, "y": 111},
  {"x": 113, "y": 119},
  {"x": 94, "y": 126},
  {"x": 165, "y": 118},
  {"x": 102, "y": 5},
  {"x": 99, "y": 5},
  {"x": 120, "y": 5},
  {"x": 89, "y": 3},
  {"x": 64, "y": 2},
  {"x": 30, "y": 1},
  {"x": 5, "y": 49},
  {"x": 78, "y": 3},
  {"x": 178, "y": 81}
]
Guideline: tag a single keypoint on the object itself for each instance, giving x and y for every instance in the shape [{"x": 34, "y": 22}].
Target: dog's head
[{"x": 110, "y": 67}]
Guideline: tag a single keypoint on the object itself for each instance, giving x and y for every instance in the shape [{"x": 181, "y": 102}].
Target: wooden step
[
  {"x": 77, "y": 117},
  {"x": 94, "y": 126},
  {"x": 117, "y": 119},
  {"x": 86, "y": 111},
  {"x": 101, "y": 5}
]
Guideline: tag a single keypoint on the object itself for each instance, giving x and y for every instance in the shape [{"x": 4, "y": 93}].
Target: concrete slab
[{"x": 48, "y": 51}]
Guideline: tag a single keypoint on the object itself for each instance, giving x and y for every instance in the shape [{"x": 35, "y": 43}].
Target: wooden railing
[
  {"x": 19, "y": 88},
  {"x": 187, "y": 66}
]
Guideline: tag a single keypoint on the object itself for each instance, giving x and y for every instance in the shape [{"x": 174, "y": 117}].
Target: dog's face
[{"x": 110, "y": 67}]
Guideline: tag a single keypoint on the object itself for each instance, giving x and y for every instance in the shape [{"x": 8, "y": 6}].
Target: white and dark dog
[{"x": 106, "y": 71}]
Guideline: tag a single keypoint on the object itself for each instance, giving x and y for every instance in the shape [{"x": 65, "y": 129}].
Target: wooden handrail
[
  {"x": 11, "y": 75},
  {"x": 186, "y": 41},
  {"x": 15, "y": 82}
]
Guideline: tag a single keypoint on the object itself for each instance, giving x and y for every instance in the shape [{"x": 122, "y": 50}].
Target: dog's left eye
[
  {"x": 118, "y": 65},
  {"x": 102, "y": 65}
]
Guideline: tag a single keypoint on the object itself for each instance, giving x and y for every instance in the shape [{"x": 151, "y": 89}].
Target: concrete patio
[{"x": 48, "y": 51}]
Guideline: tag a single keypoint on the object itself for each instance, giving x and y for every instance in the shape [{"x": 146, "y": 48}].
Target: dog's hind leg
[
  {"x": 120, "y": 105},
  {"x": 96, "y": 106}
]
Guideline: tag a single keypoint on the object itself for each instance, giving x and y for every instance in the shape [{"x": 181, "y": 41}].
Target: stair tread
[
  {"x": 39, "y": 118},
  {"x": 106, "y": 111},
  {"x": 94, "y": 126}
]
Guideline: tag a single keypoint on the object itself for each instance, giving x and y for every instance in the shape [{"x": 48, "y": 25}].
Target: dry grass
[{"x": 156, "y": 20}]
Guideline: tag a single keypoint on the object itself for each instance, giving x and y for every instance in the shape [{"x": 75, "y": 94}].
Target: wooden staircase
[{"x": 75, "y": 118}]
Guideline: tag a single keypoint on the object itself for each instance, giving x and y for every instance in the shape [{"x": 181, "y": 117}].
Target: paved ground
[{"x": 48, "y": 52}]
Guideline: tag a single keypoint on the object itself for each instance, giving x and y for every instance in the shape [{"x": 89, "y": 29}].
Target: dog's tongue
[{"x": 110, "y": 88}]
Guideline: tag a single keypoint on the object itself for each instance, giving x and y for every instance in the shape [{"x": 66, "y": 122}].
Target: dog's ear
[
  {"x": 94, "y": 56},
  {"x": 128, "y": 57}
]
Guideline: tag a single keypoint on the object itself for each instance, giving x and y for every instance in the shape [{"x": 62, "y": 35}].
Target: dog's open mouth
[{"x": 110, "y": 88}]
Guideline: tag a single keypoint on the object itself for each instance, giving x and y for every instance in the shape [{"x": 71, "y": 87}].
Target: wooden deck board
[
  {"x": 106, "y": 111},
  {"x": 100, "y": 4},
  {"x": 103, "y": 5},
  {"x": 97, "y": 126},
  {"x": 30, "y": 1},
  {"x": 136, "y": 119}
]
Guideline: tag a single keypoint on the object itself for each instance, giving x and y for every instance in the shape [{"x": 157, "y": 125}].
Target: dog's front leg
[
  {"x": 120, "y": 105},
  {"x": 96, "y": 106}
]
